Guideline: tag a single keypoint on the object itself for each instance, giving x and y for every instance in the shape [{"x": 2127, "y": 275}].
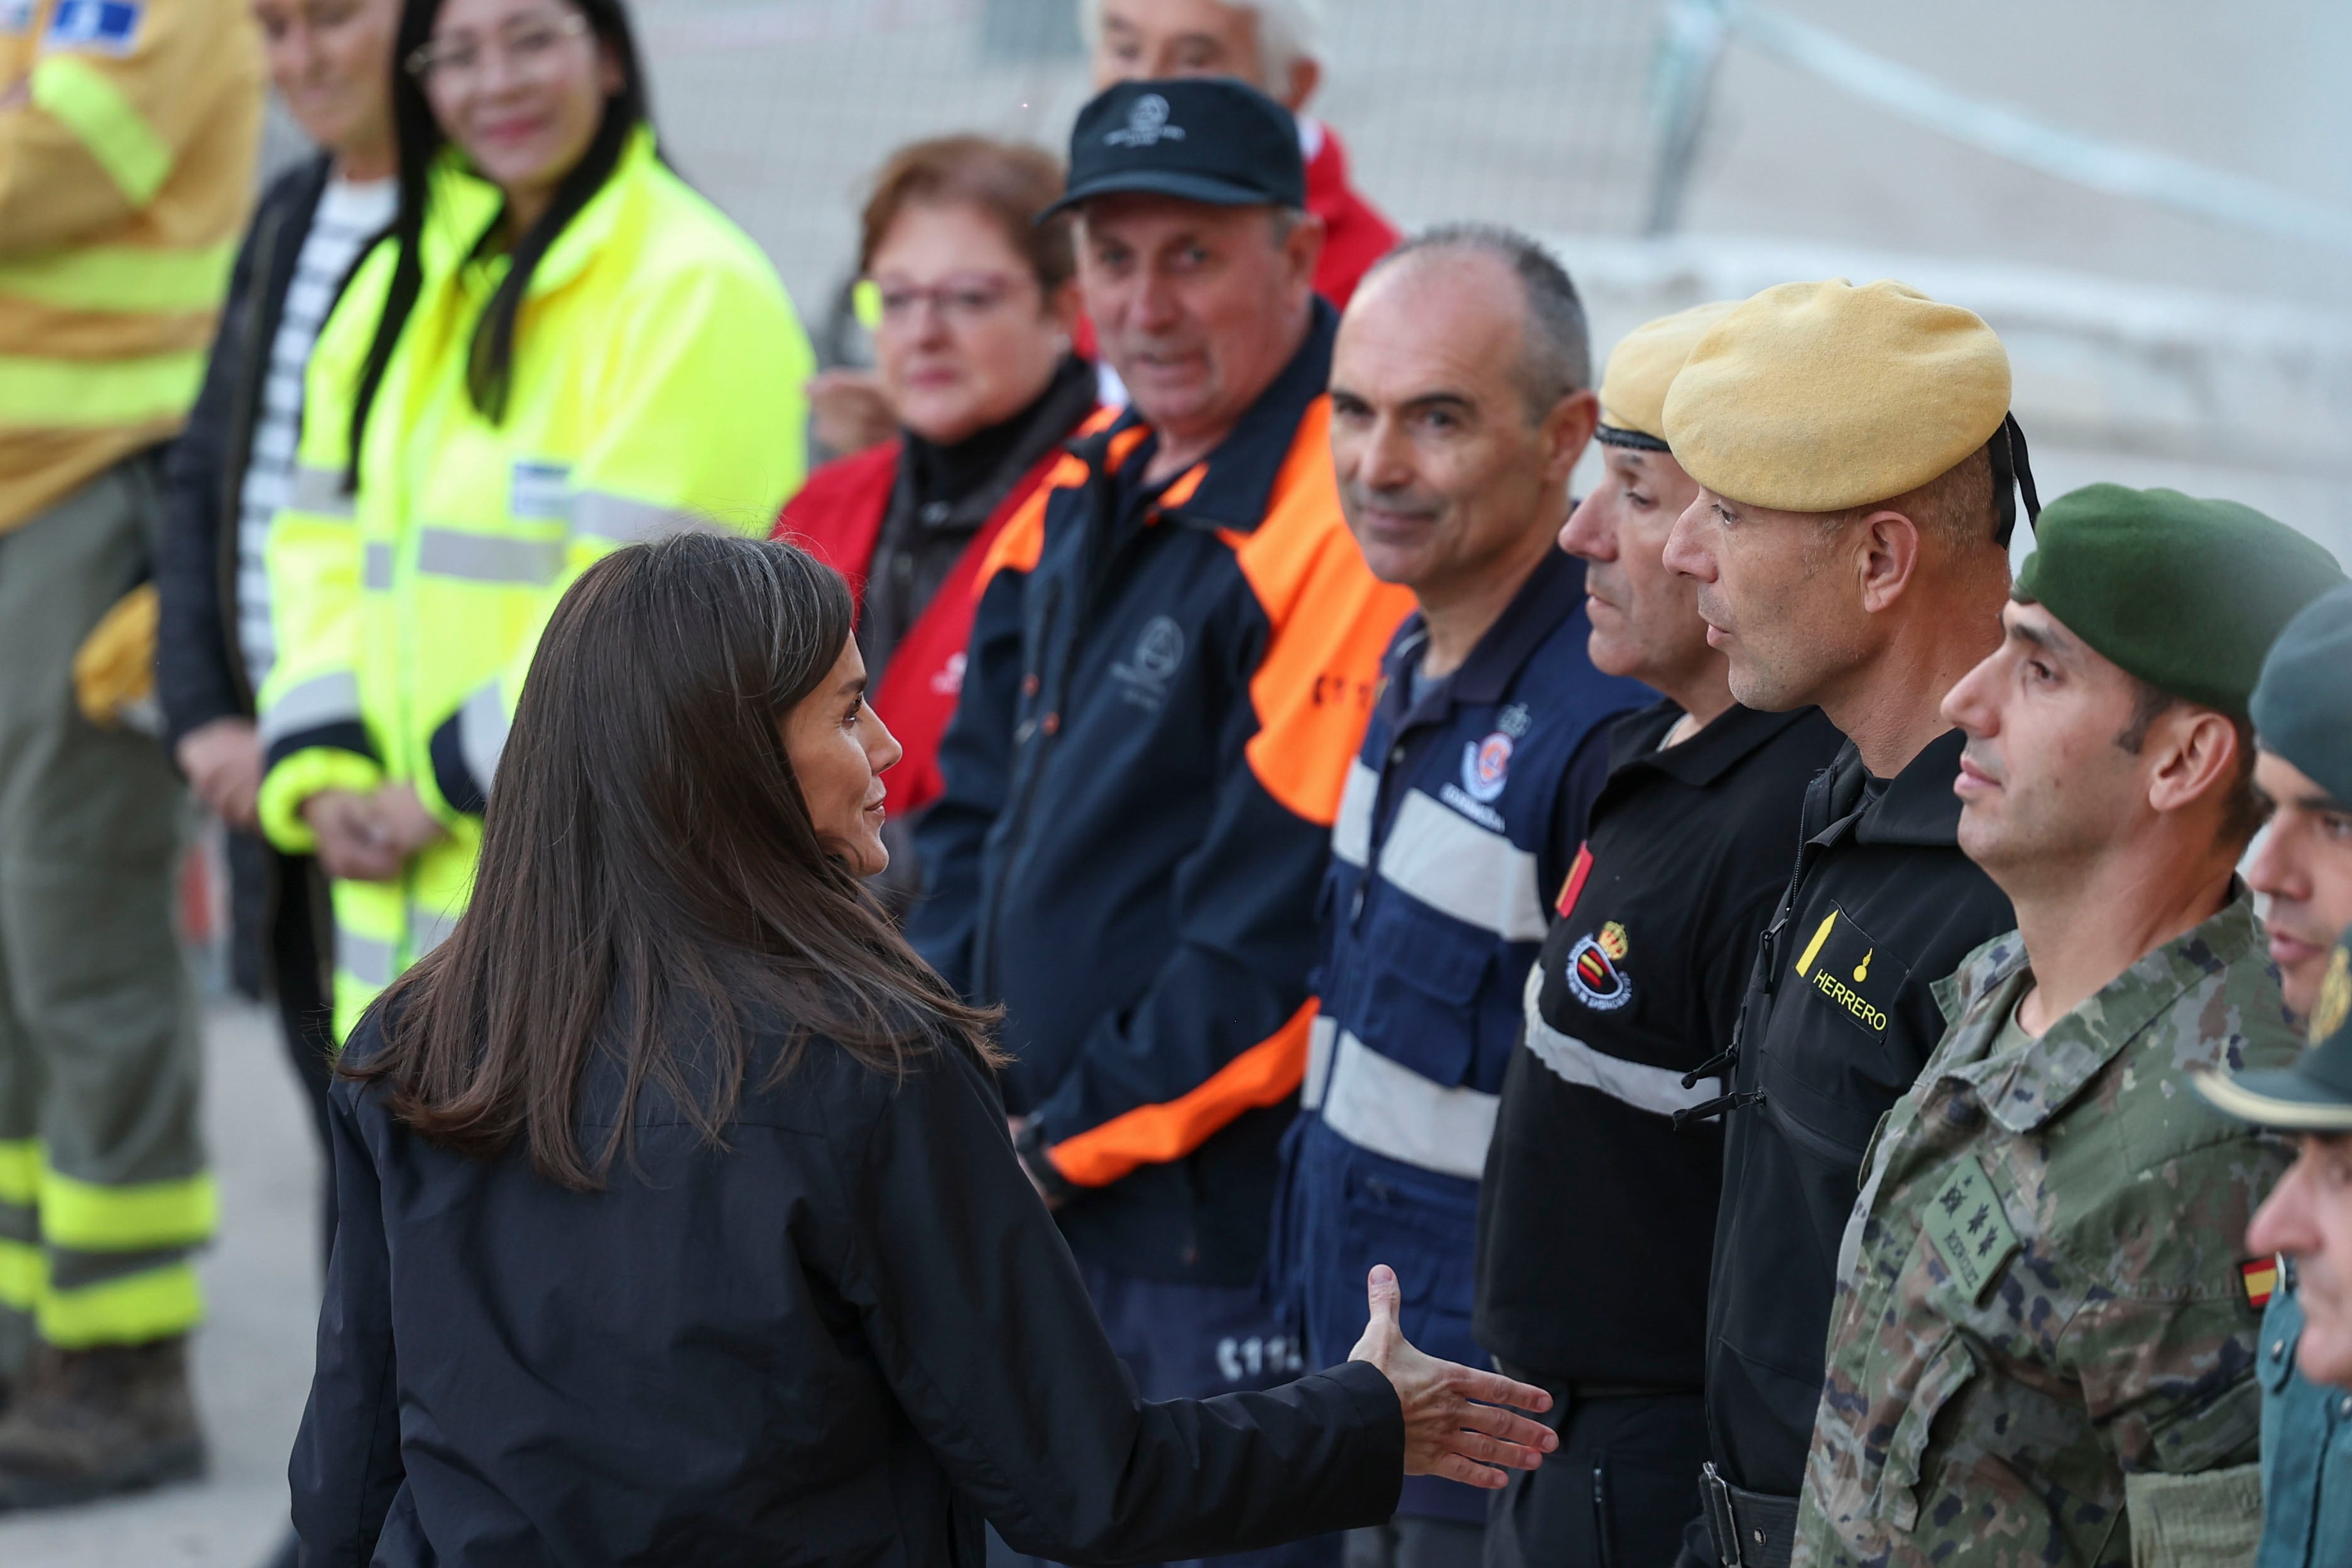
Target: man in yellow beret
[
  {"x": 2044, "y": 1342},
  {"x": 1855, "y": 457}
]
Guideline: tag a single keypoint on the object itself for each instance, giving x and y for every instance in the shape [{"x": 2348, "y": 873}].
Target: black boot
[{"x": 92, "y": 1423}]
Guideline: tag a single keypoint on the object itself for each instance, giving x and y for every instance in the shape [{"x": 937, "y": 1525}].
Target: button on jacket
[
  {"x": 845, "y": 1337},
  {"x": 1838, "y": 1019},
  {"x": 1638, "y": 983},
  {"x": 1461, "y": 816},
  {"x": 1164, "y": 688},
  {"x": 2041, "y": 1332},
  {"x": 655, "y": 387},
  {"x": 2306, "y": 1450}
]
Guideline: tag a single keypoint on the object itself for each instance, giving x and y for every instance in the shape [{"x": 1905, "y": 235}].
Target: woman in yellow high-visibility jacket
[{"x": 558, "y": 350}]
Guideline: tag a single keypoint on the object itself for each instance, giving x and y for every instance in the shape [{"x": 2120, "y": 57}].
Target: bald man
[{"x": 1460, "y": 402}]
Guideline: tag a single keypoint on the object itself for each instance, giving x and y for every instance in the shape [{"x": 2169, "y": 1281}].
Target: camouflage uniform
[{"x": 2041, "y": 1322}]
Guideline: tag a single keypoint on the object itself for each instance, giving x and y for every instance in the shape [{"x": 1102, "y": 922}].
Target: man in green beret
[
  {"x": 2303, "y": 868},
  {"x": 2044, "y": 1343}
]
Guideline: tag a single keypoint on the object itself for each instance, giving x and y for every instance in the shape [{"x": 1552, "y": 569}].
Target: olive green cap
[
  {"x": 2187, "y": 594},
  {"x": 2303, "y": 704}
]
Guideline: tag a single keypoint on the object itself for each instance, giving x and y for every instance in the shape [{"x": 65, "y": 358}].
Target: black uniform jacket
[
  {"x": 844, "y": 1338},
  {"x": 200, "y": 673},
  {"x": 1837, "y": 1021},
  {"x": 1640, "y": 977}
]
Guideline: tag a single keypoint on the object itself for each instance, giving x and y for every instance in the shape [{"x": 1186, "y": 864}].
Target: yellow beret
[
  {"x": 1820, "y": 396},
  {"x": 1643, "y": 366}
]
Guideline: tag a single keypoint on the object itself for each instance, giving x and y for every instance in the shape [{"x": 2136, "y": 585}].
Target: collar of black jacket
[
  {"x": 1551, "y": 595},
  {"x": 1707, "y": 756},
  {"x": 1916, "y": 806},
  {"x": 1236, "y": 485}
]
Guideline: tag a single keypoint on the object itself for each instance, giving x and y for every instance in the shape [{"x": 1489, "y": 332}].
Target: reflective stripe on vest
[
  {"x": 623, "y": 520},
  {"x": 487, "y": 557},
  {"x": 1645, "y": 1087},
  {"x": 122, "y": 277},
  {"x": 330, "y": 699},
  {"x": 366, "y": 959},
  {"x": 68, "y": 394},
  {"x": 1390, "y": 1109},
  {"x": 1460, "y": 868},
  {"x": 482, "y": 733},
  {"x": 80, "y": 97},
  {"x": 319, "y": 491}
]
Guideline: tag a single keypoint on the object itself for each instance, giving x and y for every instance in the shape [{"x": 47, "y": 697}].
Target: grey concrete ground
[{"x": 253, "y": 1359}]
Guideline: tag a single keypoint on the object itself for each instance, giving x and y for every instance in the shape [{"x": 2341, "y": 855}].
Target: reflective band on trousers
[
  {"x": 1655, "y": 1090},
  {"x": 482, "y": 734},
  {"x": 487, "y": 557},
  {"x": 1456, "y": 867},
  {"x": 1389, "y": 1109},
  {"x": 320, "y": 492},
  {"x": 128, "y": 279},
  {"x": 625, "y": 520},
  {"x": 78, "y": 96},
  {"x": 330, "y": 699},
  {"x": 72, "y": 395},
  {"x": 364, "y": 958}
]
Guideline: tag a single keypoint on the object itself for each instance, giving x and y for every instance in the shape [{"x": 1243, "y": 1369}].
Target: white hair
[{"x": 1287, "y": 31}]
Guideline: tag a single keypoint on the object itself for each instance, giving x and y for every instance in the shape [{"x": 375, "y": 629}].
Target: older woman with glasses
[{"x": 973, "y": 308}]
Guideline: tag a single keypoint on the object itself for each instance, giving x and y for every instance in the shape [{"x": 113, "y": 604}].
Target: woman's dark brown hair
[
  {"x": 650, "y": 878},
  {"x": 1007, "y": 181}
]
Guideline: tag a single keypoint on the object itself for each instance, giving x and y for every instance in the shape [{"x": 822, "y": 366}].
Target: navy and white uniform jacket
[{"x": 1460, "y": 820}]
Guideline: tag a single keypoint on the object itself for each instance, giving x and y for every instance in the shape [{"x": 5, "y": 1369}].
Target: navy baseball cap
[{"x": 1199, "y": 139}]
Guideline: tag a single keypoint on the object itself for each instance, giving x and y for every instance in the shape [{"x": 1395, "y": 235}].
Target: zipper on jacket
[{"x": 1030, "y": 740}]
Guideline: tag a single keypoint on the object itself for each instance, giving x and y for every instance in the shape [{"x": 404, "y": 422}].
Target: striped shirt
[{"x": 348, "y": 216}]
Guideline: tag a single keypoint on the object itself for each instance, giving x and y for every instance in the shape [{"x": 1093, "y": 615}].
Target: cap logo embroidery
[
  {"x": 2334, "y": 997},
  {"x": 1146, "y": 125}
]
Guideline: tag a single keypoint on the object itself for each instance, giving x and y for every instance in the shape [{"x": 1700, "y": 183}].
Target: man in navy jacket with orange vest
[
  {"x": 1172, "y": 665},
  {"x": 1460, "y": 403}
]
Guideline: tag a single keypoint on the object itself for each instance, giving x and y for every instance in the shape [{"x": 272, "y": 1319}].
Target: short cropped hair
[
  {"x": 2245, "y": 808},
  {"x": 1289, "y": 31},
  {"x": 1004, "y": 181},
  {"x": 1556, "y": 353}
]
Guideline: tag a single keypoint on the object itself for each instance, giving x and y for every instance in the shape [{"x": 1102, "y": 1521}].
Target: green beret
[
  {"x": 2303, "y": 703},
  {"x": 2314, "y": 1095},
  {"x": 2187, "y": 594}
]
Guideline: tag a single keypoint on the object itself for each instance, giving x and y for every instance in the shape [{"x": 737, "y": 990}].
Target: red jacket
[
  {"x": 837, "y": 518},
  {"x": 1355, "y": 234}
]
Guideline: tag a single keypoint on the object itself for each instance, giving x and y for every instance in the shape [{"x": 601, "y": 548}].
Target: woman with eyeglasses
[
  {"x": 679, "y": 1223},
  {"x": 560, "y": 348},
  {"x": 973, "y": 307}
]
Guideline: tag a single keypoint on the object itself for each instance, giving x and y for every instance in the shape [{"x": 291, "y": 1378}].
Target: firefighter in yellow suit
[
  {"x": 128, "y": 134},
  {"x": 655, "y": 386}
]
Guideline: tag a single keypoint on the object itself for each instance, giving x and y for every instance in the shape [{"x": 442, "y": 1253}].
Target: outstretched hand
[{"x": 1455, "y": 1425}]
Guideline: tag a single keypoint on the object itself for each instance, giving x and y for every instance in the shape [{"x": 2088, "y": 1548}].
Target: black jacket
[
  {"x": 1642, "y": 976},
  {"x": 845, "y": 1338},
  {"x": 200, "y": 673},
  {"x": 1166, "y": 685},
  {"x": 1837, "y": 1021}
]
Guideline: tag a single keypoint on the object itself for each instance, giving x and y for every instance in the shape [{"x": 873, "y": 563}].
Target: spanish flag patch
[{"x": 2260, "y": 1276}]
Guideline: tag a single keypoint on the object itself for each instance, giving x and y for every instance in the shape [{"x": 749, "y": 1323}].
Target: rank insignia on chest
[
  {"x": 2260, "y": 1276},
  {"x": 1970, "y": 1229},
  {"x": 1841, "y": 964}
]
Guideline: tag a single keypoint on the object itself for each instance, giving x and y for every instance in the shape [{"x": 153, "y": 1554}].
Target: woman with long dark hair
[
  {"x": 559, "y": 349},
  {"x": 679, "y": 1219}
]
